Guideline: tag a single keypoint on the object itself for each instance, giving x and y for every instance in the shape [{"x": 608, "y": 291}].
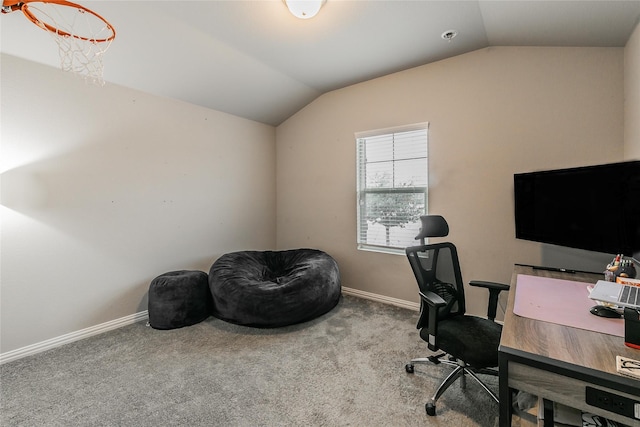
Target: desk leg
[
  {"x": 548, "y": 413},
  {"x": 504, "y": 391}
]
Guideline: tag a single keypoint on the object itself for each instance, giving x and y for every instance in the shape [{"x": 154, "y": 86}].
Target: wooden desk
[{"x": 557, "y": 362}]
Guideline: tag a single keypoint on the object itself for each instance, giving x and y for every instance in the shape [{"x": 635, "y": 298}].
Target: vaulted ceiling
[{"x": 255, "y": 60}]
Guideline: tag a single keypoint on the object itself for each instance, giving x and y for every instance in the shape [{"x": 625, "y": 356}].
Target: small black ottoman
[
  {"x": 179, "y": 298},
  {"x": 270, "y": 289}
]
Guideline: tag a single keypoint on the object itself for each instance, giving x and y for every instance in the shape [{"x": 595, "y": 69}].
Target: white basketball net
[{"x": 82, "y": 37}]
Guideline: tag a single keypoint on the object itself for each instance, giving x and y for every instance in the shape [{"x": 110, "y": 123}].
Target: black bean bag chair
[
  {"x": 269, "y": 289},
  {"x": 179, "y": 298}
]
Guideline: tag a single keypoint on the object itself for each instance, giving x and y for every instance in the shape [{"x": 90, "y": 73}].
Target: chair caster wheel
[
  {"x": 409, "y": 368},
  {"x": 431, "y": 409}
]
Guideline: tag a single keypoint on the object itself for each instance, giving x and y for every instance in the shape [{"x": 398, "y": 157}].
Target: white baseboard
[
  {"x": 71, "y": 337},
  {"x": 381, "y": 298},
  {"x": 144, "y": 315}
]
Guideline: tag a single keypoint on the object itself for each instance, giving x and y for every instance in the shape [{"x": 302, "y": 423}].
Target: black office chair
[{"x": 471, "y": 342}]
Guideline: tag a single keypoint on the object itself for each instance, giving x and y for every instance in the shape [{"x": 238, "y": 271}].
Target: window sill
[{"x": 382, "y": 250}]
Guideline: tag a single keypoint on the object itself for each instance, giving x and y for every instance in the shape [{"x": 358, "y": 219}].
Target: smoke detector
[{"x": 449, "y": 34}]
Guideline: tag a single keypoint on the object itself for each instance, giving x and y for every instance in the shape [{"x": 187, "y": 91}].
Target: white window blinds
[{"x": 392, "y": 186}]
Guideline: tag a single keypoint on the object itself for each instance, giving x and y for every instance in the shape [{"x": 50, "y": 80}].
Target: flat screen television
[{"x": 596, "y": 208}]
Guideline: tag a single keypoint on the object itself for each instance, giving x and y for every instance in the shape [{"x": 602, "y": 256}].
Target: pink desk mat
[{"x": 563, "y": 302}]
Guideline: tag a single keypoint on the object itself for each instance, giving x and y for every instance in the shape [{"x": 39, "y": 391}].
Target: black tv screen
[{"x": 596, "y": 208}]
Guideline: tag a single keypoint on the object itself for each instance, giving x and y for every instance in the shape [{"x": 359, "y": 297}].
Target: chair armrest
[
  {"x": 434, "y": 301},
  {"x": 489, "y": 285},
  {"x": 494, "y": 291}
]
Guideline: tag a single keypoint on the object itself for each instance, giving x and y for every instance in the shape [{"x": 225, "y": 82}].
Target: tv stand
[
  {"x": 561, "y": 270},
  {"x": 558, "y": 269}
]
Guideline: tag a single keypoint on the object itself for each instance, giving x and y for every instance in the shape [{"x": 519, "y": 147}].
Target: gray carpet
[{"x": 345, "y": 368}]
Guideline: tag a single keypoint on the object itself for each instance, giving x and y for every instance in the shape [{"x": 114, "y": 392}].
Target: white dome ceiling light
[{"x": 304, "y": 9}]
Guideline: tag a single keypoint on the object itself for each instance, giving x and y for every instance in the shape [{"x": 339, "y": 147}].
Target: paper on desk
[{"x": 561, "y": 301}]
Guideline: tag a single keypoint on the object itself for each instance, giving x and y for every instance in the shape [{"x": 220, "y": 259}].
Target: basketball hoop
[{"x": 82, "y": 35}]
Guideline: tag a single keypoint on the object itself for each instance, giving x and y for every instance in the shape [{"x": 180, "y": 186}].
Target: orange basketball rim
[{"x": 13, "y": 5}]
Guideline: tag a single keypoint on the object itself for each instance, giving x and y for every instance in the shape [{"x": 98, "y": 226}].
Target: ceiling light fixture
[
  {"x": 304, "y": 9},
  {"x": 449, "y": 34}
]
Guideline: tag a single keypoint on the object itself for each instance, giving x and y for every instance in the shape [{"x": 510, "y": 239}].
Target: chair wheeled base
[{"x": 460, "y": 371}]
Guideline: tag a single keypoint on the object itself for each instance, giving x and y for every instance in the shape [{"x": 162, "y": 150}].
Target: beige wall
[
  {"x": 104, "y": 188},
  {"x": 632, "y": 97},
  {"x": 492, "y": 113}
]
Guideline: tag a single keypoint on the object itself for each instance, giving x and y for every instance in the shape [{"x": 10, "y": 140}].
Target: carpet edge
[
  {"x": 381, "y": 298},
  {"x": 41, "y": 346},
  {"x": 45, "y": 345}
]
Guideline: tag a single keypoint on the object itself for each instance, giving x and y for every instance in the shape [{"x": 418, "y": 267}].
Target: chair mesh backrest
[{"x": 437, "y": 269}]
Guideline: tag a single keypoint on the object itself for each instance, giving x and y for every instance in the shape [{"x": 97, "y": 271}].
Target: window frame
[{"x": 362, "y": 191}]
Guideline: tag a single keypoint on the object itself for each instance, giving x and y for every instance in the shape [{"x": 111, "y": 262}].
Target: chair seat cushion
[{"x": 471, "y": 339}]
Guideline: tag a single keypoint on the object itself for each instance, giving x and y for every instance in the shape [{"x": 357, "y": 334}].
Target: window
[{"x": 392, "y": 186}]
